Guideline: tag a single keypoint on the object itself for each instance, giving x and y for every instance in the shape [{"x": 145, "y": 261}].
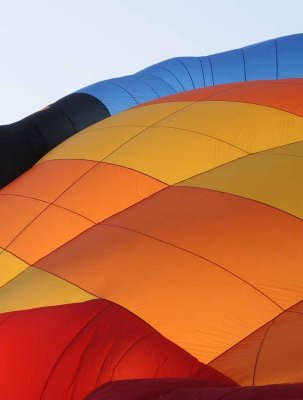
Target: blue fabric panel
[
  {"x": 115, "y": 98},
  {"x": 179, "y": 70},
  {"x": 161, "y": 71},
  {"x": 194, "y": 67},
  {"x": 273, "y": 59},
  {"x": 228, "y": 67},
  {"x": 290, "y": 56},
  {"x": 160, "y": 85},
  {"x": 207, "y": 70},
  {"x": 138, "y": 89},
  {"x": 260, "y": 61}
]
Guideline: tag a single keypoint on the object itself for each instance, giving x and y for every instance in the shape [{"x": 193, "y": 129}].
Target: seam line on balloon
[
  {"x": 211, "y": 69},
  {"x": 277, "y": 65},
  {"x": 61, "y": 278},
  {"x": 41, "y": 212},
  {"x": 64, "y": 191},
  {"x": 154, "y": 124},
  {"x": 278, "y": 154},
  {"x": 188, "y": 105},
  {"x": 253, "y": 332},
  {"x": 85, "y": 231},
  {"x": 196, "y": 255},
  {"x": 245, "y": 198},
  {"x": 106, "y": 163},
  {"x": 83, "y": 328},
  {"x": 146, "y": 84},
  {"x": 122, "y": 88},
  {"x": 128, "y": 350},
  {"x": 189, "y": 74},
  {"x": 48, "y": 273},
  {"x": 147, "y": 127},
  {"x": 68, "y": 118},
  {"x": 15, "y": 277},
  {"x": 254, "y": 104},
  {"x": 5, "y": 319},
  {"x": 259, "y": 351},
  {"x": 244, "y": 65},
  {"x": 144, "y": 130},
  {"x": 160, "y": 79},
  {"x": 14, "y": 255},
  {"x": 265, "y": 152},
  {"x": 202, "y": 134},
  {"x": 162, "y": 119},
  {"x": 294, "y": 312},
  {"x": 212, "y": 98},
  {"x": 236, "y": 87},
  {"x": 202, "y": 70},
  {"x": 169, "y": 71},
  {"x": 49, "y": 203}
]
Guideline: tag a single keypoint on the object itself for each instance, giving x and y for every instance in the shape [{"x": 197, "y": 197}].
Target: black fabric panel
[
  {"x": 82, "y": 109},
  {"x": 24, "y": 142}
]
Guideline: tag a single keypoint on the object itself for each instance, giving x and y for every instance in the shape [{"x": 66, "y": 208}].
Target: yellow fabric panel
[
  {"x": 99, "y": 140},
  {"x": 93, "y": 143},
  {"x": 36, "y": 288},
  {"x": 171, "y": 149},
  {"x": 146, "y": 116},
  {"x": 10, "y": 266},
  {"x": 273, "y": 179},
  {"x": 173, "y": 154},
  {"x": 251, "y": 127},
  {"x": 294, "y": 149}
]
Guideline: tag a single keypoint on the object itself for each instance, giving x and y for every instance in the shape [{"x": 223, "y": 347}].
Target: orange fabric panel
[
  {"x": 193, "y": 95},
  {"x": 271, "y": 355},
  {"x": 240, "y": 360},
  {"x": 280, "y": 358},
  {"x": 196, "y": 304},
  {"x": 46, "y": 181},
  {"x": 54, "y": 227},
  {"x": 285, "y": 94},
  {"x": 15, "y": 214},
  {"x": 256, "y": 242},
  {"x": 106, "y": 190}
]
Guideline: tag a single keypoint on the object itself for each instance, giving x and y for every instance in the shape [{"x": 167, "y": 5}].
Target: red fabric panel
[
  {"x": 189, "y": 389},
  {"x": 64, "y": 352}
]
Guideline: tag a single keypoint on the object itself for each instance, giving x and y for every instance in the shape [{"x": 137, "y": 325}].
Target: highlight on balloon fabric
[{"x": 151, "y": 235}]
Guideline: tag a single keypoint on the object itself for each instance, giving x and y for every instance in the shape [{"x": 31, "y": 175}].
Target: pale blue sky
[{"x": 50, "y": 48}]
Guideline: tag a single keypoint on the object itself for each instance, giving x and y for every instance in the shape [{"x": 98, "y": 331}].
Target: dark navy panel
[
  {"x": 228, "y": 67},
  {"x": 24, "y": 142},
  {"x": 260, "y": 61},
  {"x": 81, "y": 109},
  {"x": 290, "y": 56}
]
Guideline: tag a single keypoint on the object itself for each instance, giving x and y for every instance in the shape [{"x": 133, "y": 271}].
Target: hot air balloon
[{"x": 154, "y": 250}]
